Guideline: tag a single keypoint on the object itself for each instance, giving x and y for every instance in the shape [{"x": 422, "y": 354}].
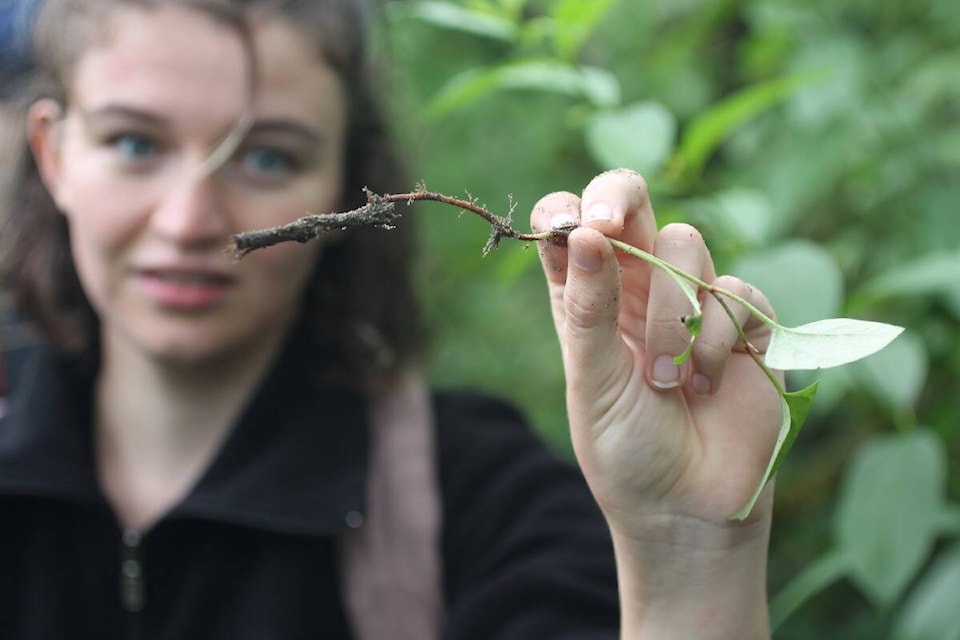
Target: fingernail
[
  {"x": 585, "y": 257},
  {"x": 562, "y": 221},
  {"x": 666, "y": 374},
  {"x": 598, "y": 212},
  {"x": 701, "y": 384}
]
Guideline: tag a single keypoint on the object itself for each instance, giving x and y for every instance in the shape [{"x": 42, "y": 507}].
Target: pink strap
[{"x": 391, "y": 563}]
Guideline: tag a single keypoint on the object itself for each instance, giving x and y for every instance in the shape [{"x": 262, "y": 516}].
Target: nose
[{"x": 192, "y": 214}]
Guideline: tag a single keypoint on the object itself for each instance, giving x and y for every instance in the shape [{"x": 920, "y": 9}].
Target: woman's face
[{"x": 148, "y": 102}]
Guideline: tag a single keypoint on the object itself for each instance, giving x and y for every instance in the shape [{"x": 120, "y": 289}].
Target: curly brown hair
[{"x": 360, "y": 309}]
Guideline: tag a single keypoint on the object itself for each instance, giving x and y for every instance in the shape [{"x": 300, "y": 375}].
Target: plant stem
[
  {"x": 750, "y": 349},
  {"x": 715, "y": 291}
]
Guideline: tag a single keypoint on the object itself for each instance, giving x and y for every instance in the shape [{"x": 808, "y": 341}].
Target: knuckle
[
  {"x": 668, "y": 332},
  {"x": 583, "y": 315},
  {"x": 709, "y": 353}
]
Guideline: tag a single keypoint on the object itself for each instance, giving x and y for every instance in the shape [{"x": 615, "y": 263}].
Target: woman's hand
[{"x": 669, "y": 452}]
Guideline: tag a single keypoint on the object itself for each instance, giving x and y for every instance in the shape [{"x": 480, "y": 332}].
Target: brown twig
[{"x": 380, "y": 212}]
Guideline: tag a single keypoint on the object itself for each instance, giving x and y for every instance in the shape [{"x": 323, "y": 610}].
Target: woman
[{"x": 184, "y": 457}]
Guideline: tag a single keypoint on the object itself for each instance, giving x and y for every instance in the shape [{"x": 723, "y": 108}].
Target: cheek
[
  {"x": 100, "y": 234},
  {"x": 100, "y": 210}
]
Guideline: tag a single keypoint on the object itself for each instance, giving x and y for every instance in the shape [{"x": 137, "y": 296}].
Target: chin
[
  {"x": 186, "y": 353},
  {"x": 217, "y": 348},
  {"x": 182, "y": 344}
]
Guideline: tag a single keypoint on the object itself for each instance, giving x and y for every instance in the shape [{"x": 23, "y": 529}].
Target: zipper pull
[{"x": 133, "y": 587}]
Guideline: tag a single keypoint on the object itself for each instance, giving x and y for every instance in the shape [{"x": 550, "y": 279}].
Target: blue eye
[
  {"x": 134, "y": 146},
  {"x": 263, "y": 160}
]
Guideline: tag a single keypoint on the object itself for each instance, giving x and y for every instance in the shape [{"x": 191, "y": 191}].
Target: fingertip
[
  {"x": 555, "y": 210},
  {"x": 701, "y": 384}
]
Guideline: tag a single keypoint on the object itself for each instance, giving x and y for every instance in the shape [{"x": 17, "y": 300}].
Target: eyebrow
[
  {"x": 279, "y": 126},
  {"x": 282, "y": 126},
  {"x": 121, "y": 111}
]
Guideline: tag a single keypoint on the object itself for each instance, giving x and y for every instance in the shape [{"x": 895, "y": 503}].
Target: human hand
[{"x": 669, "y": 452}]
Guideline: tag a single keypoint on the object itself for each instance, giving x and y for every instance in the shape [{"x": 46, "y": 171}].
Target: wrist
[{"x": 684, "y": 578}]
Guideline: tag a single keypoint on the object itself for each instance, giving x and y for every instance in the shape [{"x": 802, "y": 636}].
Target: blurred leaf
[
  {"x": 827, "y": 343},
  {"x": 815, "y": 577},
  {"x": 640, "y": 137},
  {"x": 953, "y": 301},
  {"x": 800, "y": 279},
  {"x": 896, "y": 375},
  {"x": 746, "y": 214},
  {"x": 835, "y": 385},
  {"x": 458, "y": 18},
  {"x": 596, "y": 85},
  {"x": 888, "y": 513},
  {"x": 936, "y": 81},
  {"x": 934, "y": 274},
  {"x": 930, "y": 613},
  {"x": 842, "y": 70},
  {"x": 794, "y": 409},
  {"x": 573, "y": 21},
  {"x": 709, "y": 130},
  {"x": 508, "y": 7},
  {"x": 950, "y": 520}
]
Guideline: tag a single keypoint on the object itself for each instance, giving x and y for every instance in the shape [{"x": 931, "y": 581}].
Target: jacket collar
[{"x": 294, "y": 463}]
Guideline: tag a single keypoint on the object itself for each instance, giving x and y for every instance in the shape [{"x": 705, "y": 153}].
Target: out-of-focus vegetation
[{"x": 817, "y": 145}]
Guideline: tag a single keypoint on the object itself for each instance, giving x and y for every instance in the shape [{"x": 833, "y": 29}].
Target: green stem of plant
[
  {"x": 666, "y": 266},
  {"x": 750, "y": 349}
]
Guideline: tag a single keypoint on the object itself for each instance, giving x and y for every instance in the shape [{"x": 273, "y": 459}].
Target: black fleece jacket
[{"x": 249, "y": 554}]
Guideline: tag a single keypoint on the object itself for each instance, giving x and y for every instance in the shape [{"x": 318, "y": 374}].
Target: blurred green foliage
[{"x": 817, "y": 145}]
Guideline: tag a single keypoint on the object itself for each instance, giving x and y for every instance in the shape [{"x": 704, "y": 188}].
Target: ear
[{"x": 44, "y": 131}]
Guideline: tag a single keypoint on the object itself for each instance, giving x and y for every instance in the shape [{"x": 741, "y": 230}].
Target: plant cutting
[{"x": 816, "y": 345}]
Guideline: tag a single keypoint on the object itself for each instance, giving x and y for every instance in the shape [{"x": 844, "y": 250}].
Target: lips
[{"x": 185, "y": 289}]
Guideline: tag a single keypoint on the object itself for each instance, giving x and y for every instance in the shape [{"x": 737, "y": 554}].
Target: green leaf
[
  {"x": 640, "y": 137},
  {"x": 889, "y": 511},
  {"x": 707, "y": 131},
  {"x": 597, "y": 86},
  {"x": 930, "y": 613},
  {"x": 573, "y": 20},
  {"x": 447, "y": 15},
  {"x": 795, "y": 406},
  {"x": 693, "y": 324},
  {"x": 827, "y": 343}
]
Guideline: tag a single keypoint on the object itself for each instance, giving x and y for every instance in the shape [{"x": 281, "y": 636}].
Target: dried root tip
[{"x": 376, "y": 213}]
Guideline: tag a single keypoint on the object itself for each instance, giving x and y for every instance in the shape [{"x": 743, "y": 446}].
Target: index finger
[{"x": 617, "y": 204}]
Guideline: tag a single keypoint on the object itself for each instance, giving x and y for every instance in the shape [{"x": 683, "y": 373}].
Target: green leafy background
[{"x": 817, "y": 145}]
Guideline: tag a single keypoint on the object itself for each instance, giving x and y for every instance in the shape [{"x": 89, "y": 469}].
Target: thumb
[{"x": 595, "y": 354}]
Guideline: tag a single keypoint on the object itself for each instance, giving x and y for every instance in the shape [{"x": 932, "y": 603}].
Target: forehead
[{"x": 177, "y": 60}]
